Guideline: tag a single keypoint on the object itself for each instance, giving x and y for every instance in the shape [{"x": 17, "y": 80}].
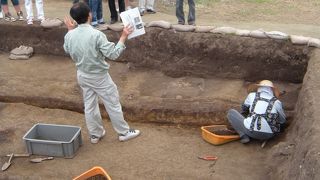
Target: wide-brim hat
[{"x": 264, "y": 83}]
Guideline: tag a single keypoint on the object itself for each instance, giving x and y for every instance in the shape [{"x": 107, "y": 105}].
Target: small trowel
[
  {"x": 7, "y": 164},
  {"x": 39, "y": 160}
]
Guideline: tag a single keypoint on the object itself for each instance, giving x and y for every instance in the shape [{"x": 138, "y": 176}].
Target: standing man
[
  {"x": 180, "y": 13},
  {"x": 88, "y": 48},
  {"x": 142, "y": 6},
  {"x": 113, "y": 10}
]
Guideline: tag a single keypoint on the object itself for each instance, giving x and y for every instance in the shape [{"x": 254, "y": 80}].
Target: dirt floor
[
  {"x": 292, "y": 17},
  {"x": 161, "y": 152},
  {"x": 44, "y": 89}
]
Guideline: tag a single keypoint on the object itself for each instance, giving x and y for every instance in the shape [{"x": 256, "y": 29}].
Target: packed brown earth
[{"x": 43, "y": 89}]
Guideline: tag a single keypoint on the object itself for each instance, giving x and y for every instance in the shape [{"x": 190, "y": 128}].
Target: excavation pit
[{"x": 169, "y": 77}]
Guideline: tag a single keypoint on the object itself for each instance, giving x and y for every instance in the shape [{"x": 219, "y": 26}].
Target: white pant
[
  {"x": 142, "y": 4},
  {"x": 29, "y": 9},
  {"x": 101, "y": 85}
]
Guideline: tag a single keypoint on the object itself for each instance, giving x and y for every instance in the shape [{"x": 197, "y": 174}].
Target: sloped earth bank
[{"x": 178, "y": 78}]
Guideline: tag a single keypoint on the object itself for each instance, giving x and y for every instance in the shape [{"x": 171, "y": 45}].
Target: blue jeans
[
  {"x": 14, "y": 2},
  {"x": 76, "y": 1},
  {"x": 180, "y": 14},
  {"x": 96, "y": 10}
]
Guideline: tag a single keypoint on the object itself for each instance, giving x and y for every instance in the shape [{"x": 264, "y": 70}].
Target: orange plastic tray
[
  {"x": 215, "y": 139},
  {"x": 90, "y": 174}
]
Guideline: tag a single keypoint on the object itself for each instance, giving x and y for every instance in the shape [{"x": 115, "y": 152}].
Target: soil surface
[
  {"x": 146, "y": 95},
  {"x": 161, "y": 152}
]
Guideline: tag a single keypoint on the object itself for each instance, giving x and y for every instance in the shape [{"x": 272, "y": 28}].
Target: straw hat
[{"x": 264, "y": 83}]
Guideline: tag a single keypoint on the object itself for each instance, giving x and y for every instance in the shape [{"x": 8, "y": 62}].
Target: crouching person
[
  {"x": 88, "y": 48},
  {"x": 262, "y": 114}
]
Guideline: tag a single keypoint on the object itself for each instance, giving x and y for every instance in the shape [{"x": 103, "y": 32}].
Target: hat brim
[{"x": 254, "y": 88}]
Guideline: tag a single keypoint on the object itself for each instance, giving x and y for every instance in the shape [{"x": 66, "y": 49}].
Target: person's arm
[
  {"x": 245, "y": 107},
  {"x": 282, "y": 116},
  {"x": 70, "y": 25},
  {"x": 65, "y": 44},
  {"x": 111, "y": 50}
]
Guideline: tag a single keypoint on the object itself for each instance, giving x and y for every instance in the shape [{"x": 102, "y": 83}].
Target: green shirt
[{"x": 89, "y": 47}]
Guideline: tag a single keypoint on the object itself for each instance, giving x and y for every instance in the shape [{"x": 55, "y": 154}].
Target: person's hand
[
  {"x": 69, "y": 23},
  {"x": 127, "y": 30}
]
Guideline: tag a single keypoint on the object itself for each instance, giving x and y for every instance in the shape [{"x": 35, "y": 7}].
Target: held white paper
[{"x": 133, "y": 18}]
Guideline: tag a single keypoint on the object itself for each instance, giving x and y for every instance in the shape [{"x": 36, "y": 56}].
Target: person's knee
[{"x": 15, "y": 2}]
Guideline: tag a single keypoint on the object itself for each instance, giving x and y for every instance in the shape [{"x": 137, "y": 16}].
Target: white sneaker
[
  {"x": 129, "y": 135},
  {"x": 95, "y": 139},
  {"x": 30, "y": 22},
  {"x": 1, "y": 15}
]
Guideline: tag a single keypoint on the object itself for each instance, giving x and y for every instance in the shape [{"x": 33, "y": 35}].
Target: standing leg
[
  {"x": 150, "y": 8},
  {"x": 93, "y": 4},
  {"x": 1, "y": 15},
  {"x": 28, "y": 5},
  {"x": 142, "y": 6},
  {"x": 179, "y": 11},
  {"x": 5, "y": 8},
  {"x": 113, "y": 11},
  {"x": 100, "y": 12},
  {"x": 16, "y": 6},
  {"x": 91, "y": 108},
  {"x": 192, "y": 13},
  {"x": 108, "y": 92},
  {"x": 122, "y": 6},
  {"x": 39, "y": 5}
]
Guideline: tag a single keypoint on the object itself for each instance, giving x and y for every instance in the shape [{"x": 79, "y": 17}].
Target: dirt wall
[
  {"x": 183, "y": 54},
  {"x": 298, "y": 156}
]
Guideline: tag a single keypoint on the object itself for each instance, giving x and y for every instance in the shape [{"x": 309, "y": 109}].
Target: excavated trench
[{"x": 171, "y": 77}]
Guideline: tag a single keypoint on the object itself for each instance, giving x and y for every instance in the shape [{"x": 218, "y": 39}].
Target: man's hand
[
  {"x": 69, "y": 23},
  {"x": 125, "y": 33},
  {"x": 127, "y": 30}
]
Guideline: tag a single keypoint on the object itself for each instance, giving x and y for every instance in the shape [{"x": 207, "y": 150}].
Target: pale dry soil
[
  {"x": 161, "y": 152},
  {"x": 291, "y": 17}
]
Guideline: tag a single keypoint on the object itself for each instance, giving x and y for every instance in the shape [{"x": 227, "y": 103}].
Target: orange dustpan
[
  {"x": 215, "y": 139},
  {"x": 96, "y": 172}
]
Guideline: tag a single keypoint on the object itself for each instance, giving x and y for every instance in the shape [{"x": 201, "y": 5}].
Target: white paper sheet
[{"x": 133, "y": 18}]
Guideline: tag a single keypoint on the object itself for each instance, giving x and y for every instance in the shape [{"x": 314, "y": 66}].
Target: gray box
[{"x": 53, "y": 140}]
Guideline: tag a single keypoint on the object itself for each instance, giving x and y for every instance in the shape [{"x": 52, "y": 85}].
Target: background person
[
  {"x": 97, "y": 12},
  {"x": 1, "y": 15},
  {"x": 7, "y": 15},
  {"x": 180, "y": 13},
  {"x": 88, "y": 48},
  {"x": 113, "y": 10},
  {"x": 29, "y": 9},
  {"x": 146, "y": 5},
  {"x": 262, "y": 114}
]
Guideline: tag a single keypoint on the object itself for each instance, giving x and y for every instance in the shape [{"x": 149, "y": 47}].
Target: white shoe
[
  {"x": 1, "y": 15},
  {"x": 129, "y": 135},
  {"x": 95, "y": 139},
  {"x": 30, "y": 22}
]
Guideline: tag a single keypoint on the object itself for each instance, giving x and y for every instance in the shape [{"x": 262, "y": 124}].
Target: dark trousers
[
  {"x": 180, "y": 13},
  {"x": 14, "y": 2},
  {"x": 112, "y": 7},
  {"x": 236, "y": 120}
]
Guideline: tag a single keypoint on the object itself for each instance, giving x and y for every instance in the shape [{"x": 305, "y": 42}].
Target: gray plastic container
[{"x": 53, "y": 140}]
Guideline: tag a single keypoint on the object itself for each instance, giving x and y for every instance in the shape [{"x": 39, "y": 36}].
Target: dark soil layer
[
  {"x": 180, "y": 54},
  {"x": 298, "y": 156}
]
